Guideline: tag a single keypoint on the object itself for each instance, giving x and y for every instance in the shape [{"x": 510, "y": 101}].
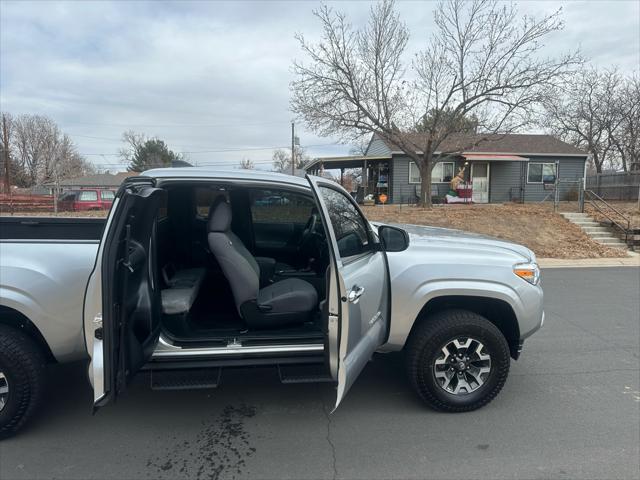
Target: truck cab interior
[{"x": 237, "y": 261}]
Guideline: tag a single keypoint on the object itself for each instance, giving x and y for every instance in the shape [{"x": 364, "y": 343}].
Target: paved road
[{"x": 570, "y": 409}]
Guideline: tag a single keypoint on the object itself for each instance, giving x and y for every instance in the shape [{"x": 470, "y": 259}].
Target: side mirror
[{"x": 393, "y": 239}]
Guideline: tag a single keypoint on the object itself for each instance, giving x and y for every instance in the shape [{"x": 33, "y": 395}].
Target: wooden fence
[
  {"x": 10, "y": 204},
  {"x": 615, "y": 186}
]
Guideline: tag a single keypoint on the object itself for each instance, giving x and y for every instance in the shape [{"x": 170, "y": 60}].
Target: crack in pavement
[{"x": 328, "y": 437}]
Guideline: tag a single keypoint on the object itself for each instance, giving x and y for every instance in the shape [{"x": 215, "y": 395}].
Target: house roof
[
  {"x": 514, "y": 143},
  {"x": 350, "y": 161},
  {"x": 98, "y": 180}
]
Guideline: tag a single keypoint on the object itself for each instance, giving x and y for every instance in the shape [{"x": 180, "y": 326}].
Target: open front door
[
  {"x": 122, "y": 308},
  {"x": 359, "y": 291}
]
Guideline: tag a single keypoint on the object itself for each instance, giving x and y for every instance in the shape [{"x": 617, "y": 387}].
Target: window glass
[
  {"x": 349, "y": 226},
  {"x": 414, "y": 173},
  {"x": 541, "y": 172},
  {"x": 549, "y": 172},
  {"x": 107, "y": 195},
  {"x": 280, "y": 206},
  {"x": 88, "y": 196},
  {"x": 162, "y": 211},
  {"x": 442, "y": 172},
  {"x": 204, "y": 197}
]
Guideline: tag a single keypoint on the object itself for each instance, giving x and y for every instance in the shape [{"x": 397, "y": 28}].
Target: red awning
[{"x": 493, "y": 157}]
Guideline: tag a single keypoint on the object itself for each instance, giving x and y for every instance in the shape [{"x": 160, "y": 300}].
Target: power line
[
  {"x": 200, "y": 164},
  {"x": 175, "y": 125},
  {"x": 227, "y": 150}
]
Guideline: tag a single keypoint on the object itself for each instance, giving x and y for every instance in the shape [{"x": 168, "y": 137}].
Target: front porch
[
  {"x": 485, "y": 178},
  {"x": 374, "y": 174}
]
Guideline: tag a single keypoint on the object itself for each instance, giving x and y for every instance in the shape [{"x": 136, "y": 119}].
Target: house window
[
  {"x": 541, "y": 172},
  {"x": 442, "y": 172}
]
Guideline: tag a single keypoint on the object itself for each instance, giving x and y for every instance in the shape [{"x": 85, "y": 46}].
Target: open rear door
[
  {"x": 122, "y": 308},
  {"x": 359, "y": 291}
]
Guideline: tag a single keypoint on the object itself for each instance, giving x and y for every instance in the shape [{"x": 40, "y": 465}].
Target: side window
[
  {"x": 107, "y": 195},
  {"x": 280, "y": 206},
  {"x": 350, "y": 228},
  {"x": 88, "y": 196},
  {"x": 204, "y": 197}
]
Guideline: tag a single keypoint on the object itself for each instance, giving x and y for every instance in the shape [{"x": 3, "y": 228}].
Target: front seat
[{"x": 282, "y": 303}]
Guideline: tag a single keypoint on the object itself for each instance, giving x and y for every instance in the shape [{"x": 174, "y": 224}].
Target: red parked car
[{"x": 83, "y": 200}]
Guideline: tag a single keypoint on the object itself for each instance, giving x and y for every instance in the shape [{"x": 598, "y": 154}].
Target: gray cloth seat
[
  {"x": 288, "y": 295},
  {"x": 282, "y": 303},
  {"x": 183, "y": 287}
]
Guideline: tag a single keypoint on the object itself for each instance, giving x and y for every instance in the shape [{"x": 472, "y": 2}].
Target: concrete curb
[{"x": 633, "y": 260}]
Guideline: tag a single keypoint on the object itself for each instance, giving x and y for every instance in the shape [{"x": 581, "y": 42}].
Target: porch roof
[
  {"x": 350, "y": 161},
  {"x": 493, "y": 157}
]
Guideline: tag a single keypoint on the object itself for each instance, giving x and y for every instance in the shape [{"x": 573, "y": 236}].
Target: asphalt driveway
[{"x": 570, "y": 409}]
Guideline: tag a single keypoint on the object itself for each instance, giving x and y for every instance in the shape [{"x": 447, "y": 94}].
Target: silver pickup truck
[{"x": 196, "y": 270}]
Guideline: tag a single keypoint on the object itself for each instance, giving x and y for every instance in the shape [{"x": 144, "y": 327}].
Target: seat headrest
[{"x": 219, "y": 216}]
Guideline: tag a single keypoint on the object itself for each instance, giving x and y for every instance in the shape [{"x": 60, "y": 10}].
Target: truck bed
[{"x": 51, "y": 228}]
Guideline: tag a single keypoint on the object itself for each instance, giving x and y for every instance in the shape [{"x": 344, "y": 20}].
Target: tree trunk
[{"x": 425, "y": 182}]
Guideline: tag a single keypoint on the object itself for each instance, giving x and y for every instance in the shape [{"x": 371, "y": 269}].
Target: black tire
[
  {"x": 425, "y": 344},
  {"x": 23, "y": 365}
]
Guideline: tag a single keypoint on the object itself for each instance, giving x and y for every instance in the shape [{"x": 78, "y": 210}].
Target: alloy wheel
[
  {"x": 4, "y": 390},
  {"x": 462, "y": 366}
]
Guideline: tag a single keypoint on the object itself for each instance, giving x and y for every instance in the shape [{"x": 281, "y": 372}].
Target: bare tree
[
  {"x": 359, "y": 146},
  {"x": 32, "y": 139},
  {"x": 247, "y": 164},
  {"x": 44, "y": 153},
  {"x": 5, "y": 150},
  {"x": 626, "y": 138},
  {"x": 591, "y": 111},
  {"x": 282, "y": 159},
  {"x": 482, "y": 63}
]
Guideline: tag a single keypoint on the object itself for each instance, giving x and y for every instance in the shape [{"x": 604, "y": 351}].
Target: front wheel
[
  {"x": 21, "y": 379},
  {"x": 457, "y": 360}
]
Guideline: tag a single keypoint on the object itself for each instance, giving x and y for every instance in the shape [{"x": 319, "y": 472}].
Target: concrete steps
[{"x": 597, "y": 232}]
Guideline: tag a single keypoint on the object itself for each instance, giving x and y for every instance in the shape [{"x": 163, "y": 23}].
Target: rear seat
[{"x": 182, "y": 289}]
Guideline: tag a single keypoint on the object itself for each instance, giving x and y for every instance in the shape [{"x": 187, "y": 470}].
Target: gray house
[{"x": 497, "y": 168}]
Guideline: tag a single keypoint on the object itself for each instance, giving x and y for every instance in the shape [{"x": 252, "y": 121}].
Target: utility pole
[
  {"x": 293, "y": 148},
  {"x": 5, "y": 154}
]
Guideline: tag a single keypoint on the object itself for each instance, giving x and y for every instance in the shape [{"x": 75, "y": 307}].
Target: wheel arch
[
  {"x": 15, "y": 319},
  {"x": 497, "y": 311}
]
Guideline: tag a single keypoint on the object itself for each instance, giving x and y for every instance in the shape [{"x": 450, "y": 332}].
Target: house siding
[
  {"x": 377, "y": 148},
  {"x": 568, "y": 169},
  {"x": 405, "y": 192},
  {"x": 505, "y": 180}
]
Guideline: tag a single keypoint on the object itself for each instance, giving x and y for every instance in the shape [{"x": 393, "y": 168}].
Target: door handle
[{"x": 355, "y": 294}]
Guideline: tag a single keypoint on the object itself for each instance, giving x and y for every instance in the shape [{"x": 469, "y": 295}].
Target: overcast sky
[{"x": 212, "y": 78}]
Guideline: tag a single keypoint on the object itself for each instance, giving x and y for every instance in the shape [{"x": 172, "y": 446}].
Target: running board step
[
  {"x": 187, "y": 379},
  {"x": 314, "y": 373}
]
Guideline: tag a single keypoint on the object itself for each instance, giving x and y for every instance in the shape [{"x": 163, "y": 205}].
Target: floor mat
[{"x": 214, "y": 307}]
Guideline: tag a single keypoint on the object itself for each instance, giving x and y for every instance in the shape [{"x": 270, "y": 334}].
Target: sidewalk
[{"x": 633, "y": 260}]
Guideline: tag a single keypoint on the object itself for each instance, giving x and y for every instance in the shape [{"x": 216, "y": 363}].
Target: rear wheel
[
  {"x": 457, "y": 360},
  {"x": 21, "y": 379}
]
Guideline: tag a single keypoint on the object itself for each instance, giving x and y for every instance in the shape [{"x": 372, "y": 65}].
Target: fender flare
[{"x": 411, "y": 307}]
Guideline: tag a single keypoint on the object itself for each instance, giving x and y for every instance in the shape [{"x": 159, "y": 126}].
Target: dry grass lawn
[
  {"x": 628, "y": 209},
  {"x": 547, "y": 233}
]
